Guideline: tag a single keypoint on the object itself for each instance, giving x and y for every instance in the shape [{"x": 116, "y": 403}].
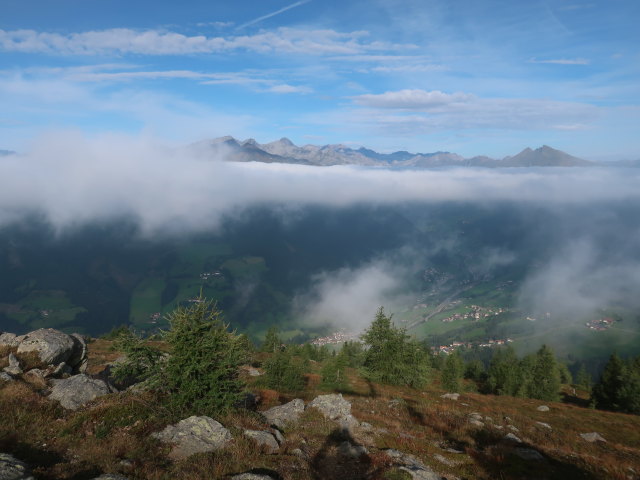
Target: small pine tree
[
  {"x": 503, "y": 377},
  {"x": 606, "y": 393},
  {"x": 201, "y": 373},
  {"x": 452, "y": 372},
  {"x": 272, "y": 341},
  {"x": 545, "y": 382},
  {"x": 283, "y": 373},
  {"x": 391, "y": 357},
  {"x": 334, "y": 373},
  {"x": 142, "y": 361}
]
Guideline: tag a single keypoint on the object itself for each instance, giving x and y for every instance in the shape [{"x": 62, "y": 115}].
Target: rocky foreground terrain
[{"x": 63, "y": 416}]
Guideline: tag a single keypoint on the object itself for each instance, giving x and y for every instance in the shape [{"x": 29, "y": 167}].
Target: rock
[
  {"x": 79, "y": 354},
  {"x": 510, "y": 437},
  {"x": 366, "y": 426},
  {"x": 444, "y": 460},
  {"x": 544, "y": 425},
  {"x": 279, "y": 437},
  {"x": 592, "y": 437},
  {"x": 10, "y": 339},
  {"x": 253, "y": 372},
  {"x": 52, "y": 346},
  {"x": 451, "y": 396},
  {"x": 410, "y": 464},
  {"x": 348, "y": 449},
  {"x": 475, "y": 416},
  {"x": 334, "y": 407},
  {"x": 476, "y": 423},
  {"x": 252, "y": 476},
  {"x": 194, "y": 435},
  {"x": 36, "y": 372},
  {"x": 13, "y": 469},
  {"x": 59, "y": 370},
  {"x": 264, "y": 439},
  {"x": 300, "y": 454},
  {"x": 5, "y": 377},
  {"x": 281, "y": 415},
  {"x": 528, "y": 454},
  {"x": 512, "y": 428},
  {"x": 14, "y": 366},
  {"x": 76, "y": 391},
  {"x": 543, "y": 408}
]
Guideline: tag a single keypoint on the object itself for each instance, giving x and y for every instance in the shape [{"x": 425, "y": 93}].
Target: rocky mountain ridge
[{"x": 285, "y": 151}]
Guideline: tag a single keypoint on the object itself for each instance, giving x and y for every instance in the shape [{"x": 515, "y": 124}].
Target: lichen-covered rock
[
  {"x": 5, "y": 377},
  {"x": 282, "y": 415},
  {"x": 76, "y": 391},
  {"x": 264, "y": 439},
  {"x": 332, "y": 406},
  {"x": 13, "y": 469},
  {"x": 335, "y": 407},
  {"x": 53, "y": 346},
  {"x": 194, "y": 435},
  {"x": 543, "y": 408}
]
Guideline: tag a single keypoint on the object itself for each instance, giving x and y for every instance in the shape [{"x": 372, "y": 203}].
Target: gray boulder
[
  {"x": 410, "y": 464},
  {"x": 194, "y": 435},
  {"x": 281, "y": 415},
  {"x": 450, "y": 396},
  {"x": 13, "y": 469},
  {"x": 76, "y": 391},
  {"x": 5, "y": 377},
  {"x": 53, "y": 347},
  {"x": 78, "y": 358},
  {"x": 543, "y": 408},
  {"x": 14, "y": 366},
  {"x": 510, "y": 437},
  {"x": 334, "y": 407},
  {"x": 10, "y": 339},
  {"x": 592, "y": 437},
  {"x": 264, "y": 439}
]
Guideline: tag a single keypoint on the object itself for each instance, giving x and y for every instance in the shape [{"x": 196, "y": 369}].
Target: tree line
[{"x": 198, "y": 373}]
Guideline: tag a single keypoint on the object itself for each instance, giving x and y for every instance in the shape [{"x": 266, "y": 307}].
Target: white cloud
[
  {"x": 71, "y": 178},
  {"x": 122, "y": 41},
  {"x": 349, "y": 297},
  {"x": 563, "y": 61},
  {"x": 418, "y": 111},
  {"x": 285, "y": 88},
  {"x": 411, "y": 99}
]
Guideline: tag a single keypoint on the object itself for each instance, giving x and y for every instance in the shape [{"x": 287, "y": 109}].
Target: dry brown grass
[{"x": 112, "y": 435}]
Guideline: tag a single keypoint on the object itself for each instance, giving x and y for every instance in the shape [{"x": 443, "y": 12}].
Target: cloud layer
[{"x": 70, "y": 178}]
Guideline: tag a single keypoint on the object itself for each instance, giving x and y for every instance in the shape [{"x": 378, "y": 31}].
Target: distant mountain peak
[
  {"x": 285, "y": 151},
  {"x": 286, "y": 141}
]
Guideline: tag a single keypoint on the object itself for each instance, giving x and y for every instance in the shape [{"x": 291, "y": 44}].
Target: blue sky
[{"x": 473, "y": 77}]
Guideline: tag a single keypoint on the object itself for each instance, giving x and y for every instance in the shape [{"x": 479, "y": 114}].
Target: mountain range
[{"x": 285, "y": 151}]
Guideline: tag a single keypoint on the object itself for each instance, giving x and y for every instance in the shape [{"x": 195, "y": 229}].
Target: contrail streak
[{"x": 273, "y": 14}]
